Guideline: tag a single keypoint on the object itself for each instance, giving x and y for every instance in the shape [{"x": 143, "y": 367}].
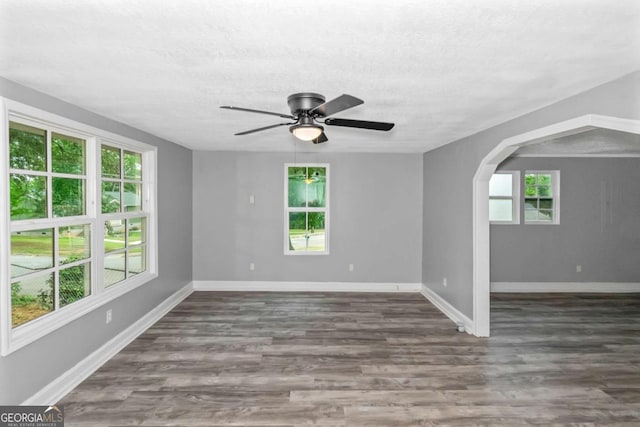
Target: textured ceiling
[
  {"x": 439, "y": 69},
  {"x": 595, "y": 143}
]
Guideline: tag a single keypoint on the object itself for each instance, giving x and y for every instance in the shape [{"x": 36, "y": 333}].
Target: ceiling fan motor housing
[{"x": 305, "y": 101}]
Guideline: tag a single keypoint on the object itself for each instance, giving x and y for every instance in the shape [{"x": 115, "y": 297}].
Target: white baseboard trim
[
  {"x": 572, "y": 287},
  {"x": 450, "y": 311},
  {"x": 61, "y": 386},
  {"x": 274, "y": 286},
  {"x": 268, "y": 286}
]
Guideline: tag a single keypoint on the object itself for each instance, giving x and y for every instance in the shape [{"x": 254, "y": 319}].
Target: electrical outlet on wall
[
  {"x": 351, "y": 268},
  {"x": 578, "y": 268},
  {"x": 444, "y": 282},
  {"x": 109, "y": 316},
  {"x": 252, "y": 266}
]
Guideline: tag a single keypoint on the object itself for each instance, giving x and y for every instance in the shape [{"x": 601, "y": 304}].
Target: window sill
[
  {"x": 38, "y": 328},
  {"x": 541, "y": 223},
  {"x": 302, "y": 253}
]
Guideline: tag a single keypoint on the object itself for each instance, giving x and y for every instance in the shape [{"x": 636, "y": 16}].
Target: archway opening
[{"x": 481, "y": 227}]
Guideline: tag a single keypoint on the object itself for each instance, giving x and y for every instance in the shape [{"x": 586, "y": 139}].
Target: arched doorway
[{"x": 488, "y": 165}]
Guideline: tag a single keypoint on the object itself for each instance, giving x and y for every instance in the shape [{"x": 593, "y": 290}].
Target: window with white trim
[
  {"x": 51, "y": 259},
  {"x": 124, "y": 222},
  {"x": 542, "y": 197},
  {"x": 504, "y": 190},
  {"x": 78, "y": 224},
  {"x": 306, "y": 209}
]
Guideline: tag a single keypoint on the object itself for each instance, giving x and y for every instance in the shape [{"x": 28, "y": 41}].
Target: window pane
[
  {"x": 545, "y": 215},
  {"x": 531, "y": 203},
  {"x": 297, "y": 231},
  {"x": 74, "y": 243},
  {"x": 136, "y": 262},
  {"x": 297, "y": 187},
  {"x": 530, "y": 191},
  {"x": 31, "y": 298},
  {"x": 539, "y": 206},
  {"x": 132, "y": 165},
  {"x": 544, "y": 179},
  {"x": 316, "y": 187},
  {"x": 68, "y": 197},
  {"x": 316, "y": 240},
  {"x": 500, "y": 210},
  {"x": 306, "y": 231},
  {"x": 137, "y": 231},
  {"x": 501, "y": 184},
  {"x": 110, "y": 162},
  {"x": 28, "y": 196},
  {"x": 110, "y": 197},
  {"x": 114, "y": 269},
  {"x": 132, "y": 197},
  {"x": 546, "y": 203},
  {"x": 75, "y": 283},
  {"x": 114, "y": 233},
  {"x": 544, "y": 191},
  {"x": 67, "y": 154},
  {"x": 31, "y": 251},
  {"x": 27, "y": 147},
  {"x": 531, "y": 214}
]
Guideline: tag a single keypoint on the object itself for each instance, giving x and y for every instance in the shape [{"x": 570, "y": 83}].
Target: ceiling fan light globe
[{"x": 306, "y": 132}]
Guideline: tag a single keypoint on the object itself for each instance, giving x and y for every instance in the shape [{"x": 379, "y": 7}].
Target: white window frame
[
  {"x": 325, "y": 209},
  {"x": 515, "y": 196},
  {"x": 555, "y": 191},
  {"x": 14, "y": 338},
  {"x": 121, "y": 214}
]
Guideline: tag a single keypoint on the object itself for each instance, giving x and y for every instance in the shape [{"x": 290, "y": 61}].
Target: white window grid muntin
[
  {"x": 515, "y": 197},
  {"x": 128, "y": 248},
  {"x": 56, "y": 222},
  {"x": 324, "y": 209},
  {"x": 13, "y": 339},
  {"x": 89, "y": 155},
  {"x": 123, "y": 215},
  {"x": 555, "y": 195},
  {"x": 122, "y": 180},
  {"x": 55, "y": 270}
]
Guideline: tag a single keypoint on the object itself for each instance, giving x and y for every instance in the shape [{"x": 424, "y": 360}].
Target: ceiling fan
[{"x": 308, "y": 109}]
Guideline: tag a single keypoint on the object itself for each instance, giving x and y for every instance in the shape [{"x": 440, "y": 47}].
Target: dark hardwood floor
[{"x": 285, "y": 359}]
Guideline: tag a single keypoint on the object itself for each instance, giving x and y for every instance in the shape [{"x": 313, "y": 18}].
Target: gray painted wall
[
  {"x": 375, "y": 213},
  {"x": 398, "y": 218},
  {"x": 30, "y": 368},
  {"x": 448, "y": 184},
  {"x": 599, "y": 227}
]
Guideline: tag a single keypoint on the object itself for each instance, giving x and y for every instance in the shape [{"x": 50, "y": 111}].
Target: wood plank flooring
[{"x": 357, "y": 359}]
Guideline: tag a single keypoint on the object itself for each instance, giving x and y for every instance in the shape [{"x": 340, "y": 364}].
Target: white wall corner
[
  {"x": 450, "y": 311},
  {"x": 65, "y": 383},
  {"x": 276, "y": 286},
  {"x": 566, "y": 287}
]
